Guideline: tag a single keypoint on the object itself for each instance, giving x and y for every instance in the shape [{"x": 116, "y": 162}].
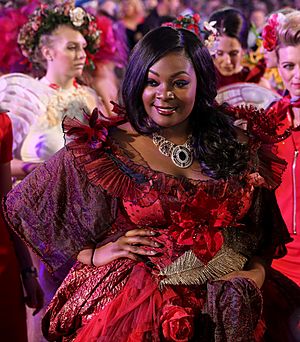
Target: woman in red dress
[
  {"x": 286, "y": 43},
  {"x": 12, "y": 302},
  {"x": 170, "y": 211}
]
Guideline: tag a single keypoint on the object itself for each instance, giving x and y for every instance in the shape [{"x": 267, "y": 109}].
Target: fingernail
[{"x": 153, "y": 252}]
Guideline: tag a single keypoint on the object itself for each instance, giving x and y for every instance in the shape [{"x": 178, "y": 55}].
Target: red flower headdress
[
  {"x": 270, "y": 31},
  {"x": 192, "y": 23}
]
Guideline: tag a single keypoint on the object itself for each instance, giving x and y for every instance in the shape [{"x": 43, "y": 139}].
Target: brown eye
[
  {"x": 288, "y": 66},
  {"x": 181, "y": 83},
  {"x": 151, "y": 82}
]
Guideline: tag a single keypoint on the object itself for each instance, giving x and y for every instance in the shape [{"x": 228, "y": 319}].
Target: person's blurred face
[
  {"x": 228, "y": 56},
  {"x": 258, "y": 18},
  {"x": 289, "y": 68},
  {"x": 67, "y": 51},
  {"x": 170, "y": 90},
  {"x": 173, "y": 6},
  {"x": 128, "y": 8},
  {"x": 150, "y": 4}
]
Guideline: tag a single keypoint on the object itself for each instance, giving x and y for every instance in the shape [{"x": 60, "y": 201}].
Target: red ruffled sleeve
[{"x": 261, "y": 127}]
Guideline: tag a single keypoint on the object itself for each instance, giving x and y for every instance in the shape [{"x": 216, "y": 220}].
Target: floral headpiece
[
  {"x": 46, "y": 18},
  {"x": 270, "y": 31},
  {"x": 192, "y": 23}
]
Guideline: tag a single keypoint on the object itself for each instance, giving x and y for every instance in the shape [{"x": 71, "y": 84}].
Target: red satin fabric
[{"x": 290, "y": 264}]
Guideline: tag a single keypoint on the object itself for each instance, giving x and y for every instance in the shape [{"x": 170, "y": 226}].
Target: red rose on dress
[{"x": 177, "y": 323}]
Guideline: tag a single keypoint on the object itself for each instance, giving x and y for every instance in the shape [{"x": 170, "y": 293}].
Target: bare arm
[
  {"x": 131, "y": 246},
  {"x": 21, "y": 169}
]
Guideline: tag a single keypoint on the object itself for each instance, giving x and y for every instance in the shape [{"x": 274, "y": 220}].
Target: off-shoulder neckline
[{"x": 147, "y": 170}]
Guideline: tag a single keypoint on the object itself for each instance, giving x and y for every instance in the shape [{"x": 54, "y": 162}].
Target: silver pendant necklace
[{"x": 181, "y": 155}]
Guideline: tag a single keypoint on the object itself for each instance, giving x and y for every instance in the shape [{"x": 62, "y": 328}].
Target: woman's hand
[
  {"x": 34, "y": 294},
  {"x": 131, "y": 245},
  {"x": 255, "y": 272}
]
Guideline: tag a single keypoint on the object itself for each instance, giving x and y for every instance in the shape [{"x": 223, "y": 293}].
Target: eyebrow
[
  {"x": 173, "y": 75},
  {"x": 234, "y": 50},
  {"x": 76, "y": 43}
]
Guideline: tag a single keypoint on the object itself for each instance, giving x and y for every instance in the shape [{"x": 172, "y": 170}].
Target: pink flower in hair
[{"x": 269, "y": 33}]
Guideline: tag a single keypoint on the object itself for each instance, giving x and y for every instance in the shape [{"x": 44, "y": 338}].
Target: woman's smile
[{"x": 165, "y": 110}]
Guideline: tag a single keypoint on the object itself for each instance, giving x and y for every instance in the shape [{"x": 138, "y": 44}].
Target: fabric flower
[
  {"x": 269, "y": 33},
  {"x": 77, "y": 16},
  {"x": 177, "y": 323},
  {"x": 209, "y": 27},
  {"x": 93, "y": 134}
]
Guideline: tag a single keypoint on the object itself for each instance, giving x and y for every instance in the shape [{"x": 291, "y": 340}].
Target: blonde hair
[
  {"x": 289, "y": 32},
  {"x": 38, "y": 57}
]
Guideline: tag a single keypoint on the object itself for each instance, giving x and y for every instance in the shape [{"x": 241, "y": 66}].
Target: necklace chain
[{"x": 181, "y": 155}]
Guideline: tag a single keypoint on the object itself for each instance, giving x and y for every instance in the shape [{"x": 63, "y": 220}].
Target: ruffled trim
[
  {"x": 105, "y": 167},
  {"x": 262, "y": 125},
  {"x": 262, "y": 128},
  {"x": 270, "y": 166}
]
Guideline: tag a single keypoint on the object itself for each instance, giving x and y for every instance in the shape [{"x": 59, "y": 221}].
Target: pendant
[{"x": 182, "y": 157}]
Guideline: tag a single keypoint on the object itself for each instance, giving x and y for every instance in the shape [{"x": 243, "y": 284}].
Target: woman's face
[
  {"x": 228, "y": 57},
  {"x": 128, "y": 8},
  {"x": 289, "y": 68},
  {"x": 67, "y": 51},
  {"x": 170, "y": 90}
]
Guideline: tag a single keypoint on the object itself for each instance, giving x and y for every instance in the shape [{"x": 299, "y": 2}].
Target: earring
[
  {"x": 50, "y": 59},
  {"x": 170, "y": 95}
]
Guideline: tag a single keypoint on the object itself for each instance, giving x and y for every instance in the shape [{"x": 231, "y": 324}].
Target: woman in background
[
  {"x": 132, "y": 15},
  {"x": 230, "y": 47},
  {"x": 285, "y": 41},
  {"x": 56, "y": 39},
  {"x": 14, "y": 259}
]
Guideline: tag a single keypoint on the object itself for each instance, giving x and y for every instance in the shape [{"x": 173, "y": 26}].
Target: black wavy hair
[
  {"x": 216, "y": 146},
  {"x": 231, "y": 22}
]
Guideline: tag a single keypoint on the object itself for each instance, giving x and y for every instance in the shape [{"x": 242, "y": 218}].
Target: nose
[
  {"x": 164, "y": 93},
  {"x": 81, "y": 54},
  {"x": 297, "y": 72},
  {"x": 226, "y": 58}
]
